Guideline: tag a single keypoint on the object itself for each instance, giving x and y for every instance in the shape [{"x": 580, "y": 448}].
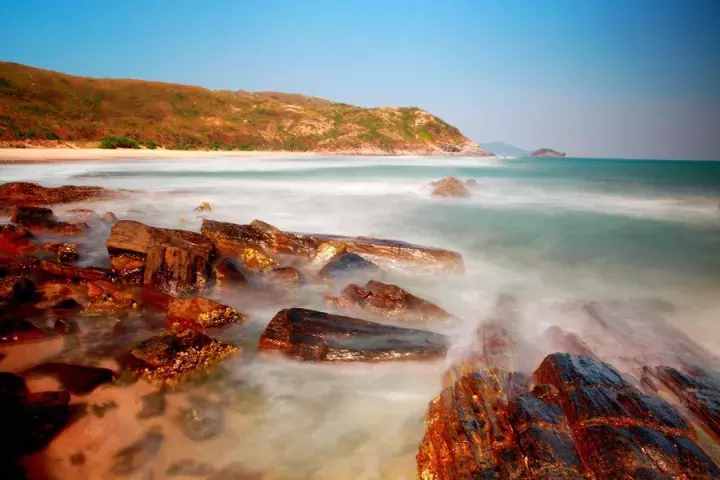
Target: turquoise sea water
[{"x": 639, "y": 240}]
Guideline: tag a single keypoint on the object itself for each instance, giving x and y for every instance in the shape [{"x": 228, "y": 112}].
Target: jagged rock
[
  {"x": 699, "y": 390},
  {"x": 312, "y": 335},
  {"x": 200, "y": 313},
  {"x": 24, "y": 193},
  {"x": 78, "y": 379},
  {"x": 172, "y": 358},
  {"x": 581, "y": 420},
  {"x": 174, "y": 261},
  {"x": 348, "y": 265},
  {"x": 259, "y": 247},
  {"x": 450, "y": 187},
  {"x": 138, "y": 454},
  {"x": 42, "y": 220},
  {"x": 384, "y": 300}
]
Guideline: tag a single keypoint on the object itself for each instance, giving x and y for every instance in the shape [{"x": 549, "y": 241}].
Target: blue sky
[{"x": 605, "y": 78}]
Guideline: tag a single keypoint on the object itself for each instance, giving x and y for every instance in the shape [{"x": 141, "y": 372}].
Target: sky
[{"x": 606, "y": 78}]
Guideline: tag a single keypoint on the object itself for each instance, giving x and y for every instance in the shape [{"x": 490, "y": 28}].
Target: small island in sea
[{"x": 547, "y": 152}]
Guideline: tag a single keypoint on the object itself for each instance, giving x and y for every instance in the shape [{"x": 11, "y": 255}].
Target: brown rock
[
  {"x": 312, "y": 335},
  {"x": 383, "y": 300},
  {"x": 260, "y": 247},
  {"x": 227, "y": 274},
  {"x": 15, "y": 240},
  {"x": 173, "y": 358},
  {"x": 78, "y": 379},
  {"x": 347, "y": 265},
  {"x": 42, "y": 220},
  {"x": 286, "y": 277},
  {"x": 24, "y": 193},
  {"x": 200, "y": 313},
  {"x": 450, "y": 187},
  {"x": 175, "y": 261}
]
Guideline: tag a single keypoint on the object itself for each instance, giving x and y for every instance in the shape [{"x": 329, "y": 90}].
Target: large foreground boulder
[
  {"x": 581, "y": 420},
  {"x": 312, "y": 335},
  {"x": 174, "y": 261},
  {"x": 387, "y": 301},
  {"x": 259, "y": 246}
]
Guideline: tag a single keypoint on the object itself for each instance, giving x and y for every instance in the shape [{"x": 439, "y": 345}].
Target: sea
[{"x": 625, "y": 254}]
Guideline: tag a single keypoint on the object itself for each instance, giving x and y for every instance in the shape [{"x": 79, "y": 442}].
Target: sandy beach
[{"x": 53, "y": 155}]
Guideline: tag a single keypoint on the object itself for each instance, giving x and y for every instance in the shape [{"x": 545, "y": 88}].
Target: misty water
[{"x": 624, "y": 253}]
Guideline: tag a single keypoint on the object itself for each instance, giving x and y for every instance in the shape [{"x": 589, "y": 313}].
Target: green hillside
[{"x": 44, "y": 107}]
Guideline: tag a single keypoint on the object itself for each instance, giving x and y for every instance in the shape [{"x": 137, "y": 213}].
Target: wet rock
[
  {"x": 204, "y": 207},
  {"x": 108, "y": 297},
  {"x": 699, "y": 390},
  {"x": 64, "y": 252},
  {"x": 312, "y": 335},
  {"x": 71, "y": 272},
  {"x": 78, "y": 379},
  {"x": 450, "y": 187},
  {"x": 284, "y": 277},
  {"x": 202, "y": 420},
  {"x": 15, "y": 240},
  {"x": 228, "y": 275},
  {"x": 77, "y": 459},
  {"x": 42, "y": 220},
  {"x": 189, "y": 468},
  {"x": 259, "y": 247},
  {"x": 17, "y": 289},
  {"x": 383, "y": 300},
  {"x": 172, "y": 358},
  {"x": 153, "y": 405},
  {"x": 176, "y": 262},
  {"x": 139, "y": 454},
  {"x": 200, "y": 313},
  {"x": 100, "y": 409},
  {"x": 128, "y": 267},
  {"x": 348, "y": 265},
  {"x": 24, "y": 193}
]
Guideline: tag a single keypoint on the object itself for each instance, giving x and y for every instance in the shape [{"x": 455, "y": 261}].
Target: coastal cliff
[{"x": 45, "y": 108}]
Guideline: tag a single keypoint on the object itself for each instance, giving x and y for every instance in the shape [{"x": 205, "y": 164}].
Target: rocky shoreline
[{"x": 574, "y": 417}]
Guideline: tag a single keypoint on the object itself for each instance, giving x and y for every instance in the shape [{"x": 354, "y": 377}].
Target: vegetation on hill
[{"x": 39, "y": 105}]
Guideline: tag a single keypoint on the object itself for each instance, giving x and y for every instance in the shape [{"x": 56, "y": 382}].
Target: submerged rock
[
  {"x": 228, "y": 275},
  {"x": 172, "y": 358},
  {"x": 312, "y": 335},
  {"x": 174, "y": 261},
  {"x": 78, "y": 379},
  {"x": 202, "y": 419},
  {"x": 450, "y": 187},
  {"x": 200, "y": 313},
  {"x": 139, "y": 454},
  {"x": 260, "y": 247},
  {"x": 153, "y": 405},
  {"x": 187, "y": 467},
  {"x": 384, "y": 300}
]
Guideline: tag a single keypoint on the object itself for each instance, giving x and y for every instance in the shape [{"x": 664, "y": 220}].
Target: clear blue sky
[{"x": 624, "y": 78}]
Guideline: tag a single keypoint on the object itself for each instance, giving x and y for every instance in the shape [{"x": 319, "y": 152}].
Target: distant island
[
  {"x": 45, "y": 108},
  {"x": 503, "y": 149},
  {"x": 547, "y": 152}
]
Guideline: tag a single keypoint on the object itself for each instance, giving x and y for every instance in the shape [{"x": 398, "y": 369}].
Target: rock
[
  {"x": 17, "y": 289},
  {"x": 24, "y": 193},
  {"x": 70, "y": 272},
  {"x": 176, "y": 262},
  {"x": 128, "y": 267},
  {"x": 312, "y": 335},
  {"x": 200, "y": 313},
  {"x": 699, "y": 390},
  {"x": 204, "y": 207},
  {"x": 285, "y": 277},
  {"x": 139, "y": 454},
  {"x": 100, "y": 409},
  {"x": 348, "y": 265},
  {"x": 15, "y": 240},
  {"x": 228, "y": 275},
  {"x": 383, "y": 300},
  {"x": 153, "y": 405},
  {"x": 581, "y": 419},
  {"x": 64, "y": 252},
  {"x": 188, "y": 467},
  {"x": 42, "y": 220},
  {"x": 78, "y": 379},
  {"x": 547, "y": 152},
  {"x": 450, "y": 187},
  {"x": 173, "y": 358},
  {"x": 472, "y": 183},
  {"x": 260, "y": 247},
  {"x": 202, "y": 420}
]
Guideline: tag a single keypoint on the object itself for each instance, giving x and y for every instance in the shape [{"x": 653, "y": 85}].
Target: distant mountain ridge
[
  {"x": 40, "y": 106},
  {"x": 503, "y": 149}
]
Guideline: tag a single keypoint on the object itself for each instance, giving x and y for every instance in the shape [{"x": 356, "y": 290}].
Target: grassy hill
[{"x": 44, "y": 107}]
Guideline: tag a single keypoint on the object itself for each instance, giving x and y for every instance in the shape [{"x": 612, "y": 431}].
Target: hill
[
  {"x": 44, "y": 107},
  {"x": 504, "y": 149},
  {"x": 547, "y": 152}
]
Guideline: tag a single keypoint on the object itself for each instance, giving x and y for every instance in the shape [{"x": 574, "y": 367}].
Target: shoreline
[{"x": 10, "y": 156}]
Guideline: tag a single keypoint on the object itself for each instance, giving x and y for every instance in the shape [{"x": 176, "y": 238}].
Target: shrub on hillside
[{"x": 118, "y": 142}]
